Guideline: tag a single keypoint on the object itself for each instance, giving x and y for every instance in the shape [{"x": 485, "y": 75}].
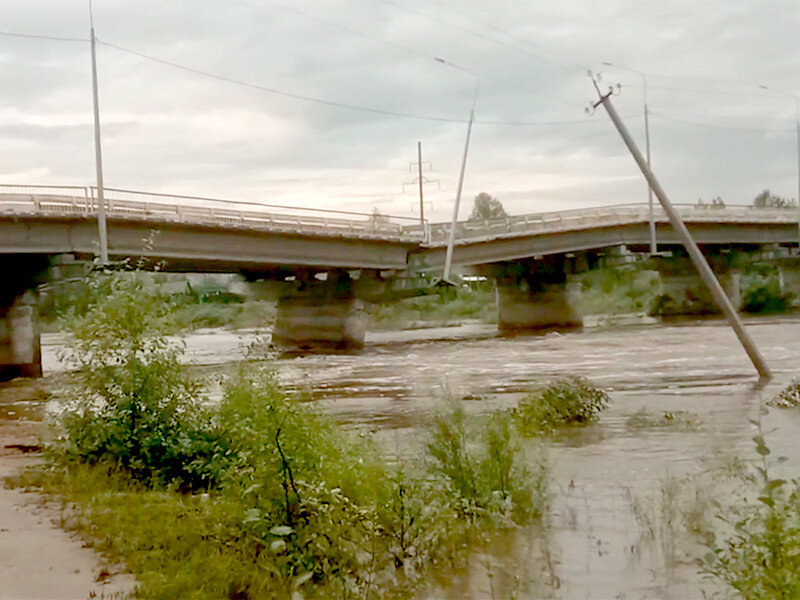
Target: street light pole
[
  {"x": 448, "y": 260},
  {"x": 98, "y": 156},
  {"x": 651, "y": 215},
  {"x": 797, "y": 130}
]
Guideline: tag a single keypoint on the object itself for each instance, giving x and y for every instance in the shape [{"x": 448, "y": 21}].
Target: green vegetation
[
  {"x": 623, "y": 289},
  {"x": 487, "y": 208},
  {"x": 193, "y": 307},
  {"x": 680, "y": 420},
  {"x": 761, "y": 291},
  {"x": 767, "y": 199},
  {"x": 569, "y": 401},
  {"x": 259, "y": 496},
  {"x": 758, "y": 554},
  {"x": 446, "y": 307}
]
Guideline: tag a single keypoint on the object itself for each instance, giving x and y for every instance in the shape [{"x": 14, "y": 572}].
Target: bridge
[{"x": 328, "y": 258}]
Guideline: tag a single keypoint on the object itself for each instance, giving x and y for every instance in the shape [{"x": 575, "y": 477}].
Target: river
[{"x": 595, "y": 542}]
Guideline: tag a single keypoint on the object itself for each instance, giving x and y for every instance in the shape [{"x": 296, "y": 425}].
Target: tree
[
  {"x": 768, "y": 200},
  {"x": 487, "y": 208}
]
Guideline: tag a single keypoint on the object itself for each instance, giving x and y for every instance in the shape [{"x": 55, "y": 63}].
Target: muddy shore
[{"x": 38, "y": 559}]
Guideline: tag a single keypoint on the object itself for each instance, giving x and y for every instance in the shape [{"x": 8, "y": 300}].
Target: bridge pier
[
  {"x": 534, "y": 295},
  {"x": 20, "y": 347},
  {"x": 682, "y": 291},
  {"x": 320, "y": 315}
]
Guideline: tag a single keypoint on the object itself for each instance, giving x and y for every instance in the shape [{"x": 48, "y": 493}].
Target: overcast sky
[{"x": 713, "y": 130}]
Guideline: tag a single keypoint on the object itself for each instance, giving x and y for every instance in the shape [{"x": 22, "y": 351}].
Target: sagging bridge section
[{"x": 331, "y": 261}]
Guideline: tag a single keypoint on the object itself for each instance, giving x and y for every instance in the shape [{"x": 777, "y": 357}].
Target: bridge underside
[{"x": 20, "y": 349}]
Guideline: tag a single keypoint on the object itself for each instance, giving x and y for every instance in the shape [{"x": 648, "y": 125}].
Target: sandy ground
[{"x": 38, "y": 560}]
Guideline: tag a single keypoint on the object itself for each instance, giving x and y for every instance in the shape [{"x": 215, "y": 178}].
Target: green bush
[
  {"x": 136, "y": 407},
  {"x": 572, "y": 400},
  {"x": 762, "y": 294}
]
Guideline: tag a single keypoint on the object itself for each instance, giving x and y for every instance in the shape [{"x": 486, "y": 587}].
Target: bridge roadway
[{"x": 182, "y": 233}]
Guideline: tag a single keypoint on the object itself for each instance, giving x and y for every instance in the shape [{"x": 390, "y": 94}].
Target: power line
[
  {"x": 271, "y": 90},
  {"x": 539, "y": 53},
  {"x": 414, "y": 51},
  {"x": 42, "y": 37},
  {"x": 494, "y": 41},
  {"x": 333, "y": 103},
  {"x": 714, "y": 126}
]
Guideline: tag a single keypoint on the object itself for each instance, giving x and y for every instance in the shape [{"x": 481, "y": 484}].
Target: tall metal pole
[
  {"x": 98, "y": 156},
  {"x": 651, "y": 214},
  {"x": 419, "y": 168},
  {"x": 797, "y": 130},
  {"x": 448, "y": 259},
  {"x": 694, "y": 252}
]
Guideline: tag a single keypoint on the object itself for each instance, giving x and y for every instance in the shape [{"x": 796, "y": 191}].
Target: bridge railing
[
  {"x": 76, "y": 200},
  {"x": 583, "y": 218}
]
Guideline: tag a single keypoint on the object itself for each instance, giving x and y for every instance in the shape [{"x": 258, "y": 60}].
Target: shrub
[
  {"x": 485, "y": 464},
  {"x": 136, "y": 407},
  {"x": 571, "y": 400},
  {"x": 762, "y": 294}
]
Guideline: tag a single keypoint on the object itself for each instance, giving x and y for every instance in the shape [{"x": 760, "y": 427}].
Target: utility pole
[
  {"x": 98, "y": 156},
  {"x": 419, "y": 174},
  {"x": 694, "y": 252},
  {"x": 421, "y": 180},
  {"x": 448, "y": 259},
  {"x": 797, "y": 131},
  {"x": 652, "y": 220}
]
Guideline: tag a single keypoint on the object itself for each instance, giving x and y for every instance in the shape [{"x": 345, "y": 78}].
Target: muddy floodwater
[{"x": 594, "y": 542}]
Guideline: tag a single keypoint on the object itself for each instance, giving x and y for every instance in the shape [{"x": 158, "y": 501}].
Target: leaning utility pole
[
  {"x": 694, "y": 252},
  {"x": 98, "y": 156}
]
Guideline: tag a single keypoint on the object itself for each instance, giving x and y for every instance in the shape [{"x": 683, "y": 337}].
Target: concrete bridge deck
[
  {"x": 184, "y": 233},
  {"x": 205, "y": 234}
]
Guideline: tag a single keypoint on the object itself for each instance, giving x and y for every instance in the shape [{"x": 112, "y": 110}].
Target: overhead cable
[{"x": 42, "y": 37}]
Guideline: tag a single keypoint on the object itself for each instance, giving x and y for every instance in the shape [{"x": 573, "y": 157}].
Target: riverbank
[{"x": 38, "y": 559}]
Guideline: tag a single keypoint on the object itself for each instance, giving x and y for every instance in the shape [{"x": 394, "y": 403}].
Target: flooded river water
[{"x": 594, "y": 538}]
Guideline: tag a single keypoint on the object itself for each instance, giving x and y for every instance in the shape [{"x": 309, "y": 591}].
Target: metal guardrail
[
  {"x": 584, "y": 218},
  {"x": 76, "y": 200}
]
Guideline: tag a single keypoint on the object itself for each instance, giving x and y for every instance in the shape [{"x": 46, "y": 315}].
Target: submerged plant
[
  {"x": 788, "y": 397},
  {"x": 571, "y": 400},
  {"x": 487, "y": 465}
]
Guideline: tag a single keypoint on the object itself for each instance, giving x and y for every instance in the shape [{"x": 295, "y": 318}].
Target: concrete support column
[
  {"x": 320, "y": 316},
  {"x": 20, "y": 348},
  {"x": 534, "y": 295}
]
